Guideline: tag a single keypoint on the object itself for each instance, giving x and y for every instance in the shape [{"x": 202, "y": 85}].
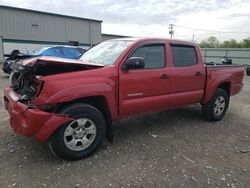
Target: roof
[
  {"x": 48, "y": 13},
  {"x": 113, "y": 35},
  {"x": 154, "y": 39},
  {"x": 146, "y": 39}
]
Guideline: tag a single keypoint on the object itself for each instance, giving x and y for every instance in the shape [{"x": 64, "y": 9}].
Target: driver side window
[{"x": 153, "y": 55}]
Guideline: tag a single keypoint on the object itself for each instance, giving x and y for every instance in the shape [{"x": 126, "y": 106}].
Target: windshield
[
  {"x": 39, "y": 51},
  {"x": 105, "y": 53}
]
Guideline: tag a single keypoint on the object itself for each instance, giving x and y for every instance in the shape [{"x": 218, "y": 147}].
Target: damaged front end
[
  {"x": 25, "y": 78},
  {"x": 30, "y": 121},
  {"x": 26, "y": 84}
]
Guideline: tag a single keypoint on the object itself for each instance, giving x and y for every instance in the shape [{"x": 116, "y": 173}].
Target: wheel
[
  {"x": 217, "y": 107},
  {"x": 81, "y": 137}
]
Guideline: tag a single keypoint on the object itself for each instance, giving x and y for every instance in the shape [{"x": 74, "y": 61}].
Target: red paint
[
  {"x": 152, "y": 93},
  {"x": 30, "y": 122}
]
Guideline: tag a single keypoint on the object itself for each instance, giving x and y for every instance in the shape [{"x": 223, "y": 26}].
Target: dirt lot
[{"x": 174, "y": 148}]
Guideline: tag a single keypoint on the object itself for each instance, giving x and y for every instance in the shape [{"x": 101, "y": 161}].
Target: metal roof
[
  {"x": 114, "y": 35},
  {"x": 48, "y": 13}
]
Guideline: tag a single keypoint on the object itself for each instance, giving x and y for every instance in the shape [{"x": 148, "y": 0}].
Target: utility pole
[{"x": 171, "y": 30}]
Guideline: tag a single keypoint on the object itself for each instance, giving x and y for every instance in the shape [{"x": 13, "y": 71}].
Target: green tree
[
  {"x": 204, "y": 44},
  {"x": 213, "y": 42},
  {"x": 232, "y": 43},
  {"x": 225, "y": 44},
  {"x": 246, "y": 43}
]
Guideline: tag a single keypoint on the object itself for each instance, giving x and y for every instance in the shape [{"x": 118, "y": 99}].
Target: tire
[
  {"x": 81, "y": 137},
  {"x": 248, "y": 70},
  {"x": 215, "y": 110}
]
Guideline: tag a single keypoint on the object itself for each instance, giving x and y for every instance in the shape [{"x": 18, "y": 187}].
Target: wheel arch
[
  {"x": 100, "y": 102},
  {"x": 226, "y": 86},
  {"x": 209, "y": 92}
]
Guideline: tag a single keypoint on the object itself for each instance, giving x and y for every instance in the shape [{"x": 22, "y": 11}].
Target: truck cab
[{"x": 174, "y": 75}]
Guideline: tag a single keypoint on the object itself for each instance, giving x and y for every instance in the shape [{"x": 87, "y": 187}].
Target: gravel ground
[{"x": 174, "y": 148}]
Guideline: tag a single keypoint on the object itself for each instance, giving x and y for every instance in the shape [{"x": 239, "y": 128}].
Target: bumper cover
[{"x": 31, "y": 122}]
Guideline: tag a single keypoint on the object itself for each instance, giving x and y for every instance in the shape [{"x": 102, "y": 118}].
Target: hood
[
  {"x": 26, "y": 75},
  {"x": 48, "y": 59},
  {"x": 52, "y": 65}
]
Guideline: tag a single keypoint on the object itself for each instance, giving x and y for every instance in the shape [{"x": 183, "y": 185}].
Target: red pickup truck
[{"x": 71, "y": 104}]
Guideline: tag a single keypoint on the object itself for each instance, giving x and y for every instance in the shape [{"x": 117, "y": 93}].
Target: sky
[{"x": 192, "y": 19}]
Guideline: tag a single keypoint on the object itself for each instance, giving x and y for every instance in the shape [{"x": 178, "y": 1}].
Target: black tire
[
  {"x": 209, "y": 111},
  {"x": 248, "y": 70},
  {"x": 76, "y": 111}
]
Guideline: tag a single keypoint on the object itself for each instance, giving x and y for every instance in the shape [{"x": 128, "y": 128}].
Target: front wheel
[
  {"x": 217, "y": 107},
  {"x": 81, "y": 137}
]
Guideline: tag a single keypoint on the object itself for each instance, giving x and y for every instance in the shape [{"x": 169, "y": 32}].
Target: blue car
[{"x": 69, "y": 52}]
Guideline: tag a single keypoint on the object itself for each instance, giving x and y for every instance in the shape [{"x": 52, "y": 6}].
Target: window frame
[
  {"x": 145, "y": 45},
  {"x": 183, "y": 45}
]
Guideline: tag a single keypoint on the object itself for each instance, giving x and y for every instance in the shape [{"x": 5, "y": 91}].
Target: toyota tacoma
[{"x": 71, "y": 104}]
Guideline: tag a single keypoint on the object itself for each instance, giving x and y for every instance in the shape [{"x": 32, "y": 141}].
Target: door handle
[
  {"x": 164, "y": 76},
  {"x": 198, "y": 74}
]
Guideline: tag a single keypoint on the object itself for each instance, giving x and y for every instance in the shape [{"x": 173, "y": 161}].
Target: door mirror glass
[{"x": 133, "y": 63}]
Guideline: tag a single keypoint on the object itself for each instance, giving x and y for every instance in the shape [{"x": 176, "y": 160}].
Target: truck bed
[{"x": 229, "y": 74}]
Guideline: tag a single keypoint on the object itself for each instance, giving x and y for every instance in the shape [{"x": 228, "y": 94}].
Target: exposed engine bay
[
  {"x": 25, "y": 78},
  {"x": 26, "y": 85}
]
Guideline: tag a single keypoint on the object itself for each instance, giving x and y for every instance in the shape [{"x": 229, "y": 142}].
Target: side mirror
[{"x": 133, "y": 63}]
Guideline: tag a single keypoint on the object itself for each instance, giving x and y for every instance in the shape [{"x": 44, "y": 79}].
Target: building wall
[
  {"x": 21, "y": 24},
  {"x": 238, "y": 55},
  {"x": 1, "y": 49}
]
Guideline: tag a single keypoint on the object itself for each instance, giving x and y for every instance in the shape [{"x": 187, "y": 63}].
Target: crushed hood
[
  {"x": 52, "y": 65},
  {"x": 47, "y": 59}
]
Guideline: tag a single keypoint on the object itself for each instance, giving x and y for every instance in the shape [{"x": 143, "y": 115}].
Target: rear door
[
  {"x": 146, "y": 89},
  {"x": 187, "y": 75}
]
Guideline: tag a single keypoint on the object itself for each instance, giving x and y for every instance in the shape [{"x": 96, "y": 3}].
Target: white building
[{"x": 27, "y": 30}]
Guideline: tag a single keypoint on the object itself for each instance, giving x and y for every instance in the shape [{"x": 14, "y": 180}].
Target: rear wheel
[
  {"x": 81, "y": 137},
  {"x": 217, "y": 107}
]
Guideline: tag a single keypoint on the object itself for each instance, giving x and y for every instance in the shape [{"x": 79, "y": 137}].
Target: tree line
[{"x": 213, "y": 42}]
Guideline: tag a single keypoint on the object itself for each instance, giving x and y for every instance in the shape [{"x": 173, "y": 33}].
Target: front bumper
[{"x": 30, "y": 121}]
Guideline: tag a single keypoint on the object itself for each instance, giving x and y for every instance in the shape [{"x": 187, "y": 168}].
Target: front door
[{"x": 146, "y": 89}]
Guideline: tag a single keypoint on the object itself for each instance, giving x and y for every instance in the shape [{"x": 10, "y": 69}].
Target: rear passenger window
[
  {"x": 153, "y": 55},
  {"x": 183, "y": 56},
  {"x": 72, "y": 53},
  {"x": 54, "y": 51}
]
